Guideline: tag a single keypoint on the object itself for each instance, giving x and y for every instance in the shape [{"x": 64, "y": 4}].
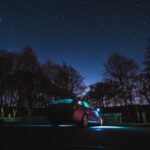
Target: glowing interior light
[
  {"x": 79, "y": 103},
  {"x": 97, "y": 113},
  {"x": 98, "y": 109}
]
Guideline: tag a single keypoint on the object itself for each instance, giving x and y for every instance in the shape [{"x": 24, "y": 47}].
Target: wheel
[{"x": 84, "y": 121}]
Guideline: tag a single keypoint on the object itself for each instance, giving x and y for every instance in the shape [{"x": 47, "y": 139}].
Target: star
[{"x": 82, "y": 33}]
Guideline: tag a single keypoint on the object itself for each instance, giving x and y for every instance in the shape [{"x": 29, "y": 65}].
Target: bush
[{"x": 112, "y": 118}]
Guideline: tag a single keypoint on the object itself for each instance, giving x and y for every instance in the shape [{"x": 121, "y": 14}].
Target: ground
[{"x": 44, "y": 136}]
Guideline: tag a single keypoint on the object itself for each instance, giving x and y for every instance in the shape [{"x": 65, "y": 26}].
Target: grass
[{"x": 39, "y": 119}]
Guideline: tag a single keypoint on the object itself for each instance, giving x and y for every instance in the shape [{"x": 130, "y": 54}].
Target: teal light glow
[
  {"x": 110, "y": 127},
  {"x": 33, "y": 125},
  {"x": 93, "y": 122},
  {"x": 63, "y": 101},
  {"x": 86, "y": 104},
  {"x": 96, "y": 113},
  {"x": 98, "y": 109}
]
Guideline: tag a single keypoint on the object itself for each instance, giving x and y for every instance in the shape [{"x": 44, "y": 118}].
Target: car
[{"x": 75, "y": 111}]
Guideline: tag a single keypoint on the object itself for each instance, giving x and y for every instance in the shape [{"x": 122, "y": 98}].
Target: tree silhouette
[
  {"x": 145, "y": 76},
  {"x": 124, "y": 72},
  {"x": 73, "y": 81}
]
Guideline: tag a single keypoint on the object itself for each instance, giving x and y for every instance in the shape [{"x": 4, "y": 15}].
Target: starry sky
[{"x": 83, "y": 33}]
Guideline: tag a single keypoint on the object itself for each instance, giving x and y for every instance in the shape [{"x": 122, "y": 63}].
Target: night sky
[{"x": 83, "y": 33}]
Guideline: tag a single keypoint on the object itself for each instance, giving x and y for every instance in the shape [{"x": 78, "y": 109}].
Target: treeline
[
  {"x": 125, "y": 82},
  {"x": 25, "y": 83}
]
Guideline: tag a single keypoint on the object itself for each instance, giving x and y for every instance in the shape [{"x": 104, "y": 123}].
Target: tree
[
  {"x": 145, "y": 76},
  {"x": 55, "y": 77},
  {"x": 124, "y": 72},
  {"x": 73, "y": 81},
  {"x": 27, "y": 74},
  {"x": 105, "y": 93},
  {"x": 65, "y": 80},
  {"x": 7, "y": 67},
  {"x": 26, "y": 84}
]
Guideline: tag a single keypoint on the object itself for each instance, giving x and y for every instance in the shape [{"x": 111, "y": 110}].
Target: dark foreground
[{"x": 46, "y": 137}]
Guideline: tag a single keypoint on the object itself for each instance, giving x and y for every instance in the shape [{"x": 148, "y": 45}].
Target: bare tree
[
  {"x": 105, "y": 93},
  {"x": 145, "y": 76},
  {"x": 124, "y": 72},
  {"x": 55, "y": 76},
  {"x": 26, "y": 84},
  {"x": 73, "y": 81},
  {"x": 27, "y": 75}
]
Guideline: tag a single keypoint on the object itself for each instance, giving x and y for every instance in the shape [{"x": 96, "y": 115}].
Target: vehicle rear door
[{"x": 90, "y": 111}]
